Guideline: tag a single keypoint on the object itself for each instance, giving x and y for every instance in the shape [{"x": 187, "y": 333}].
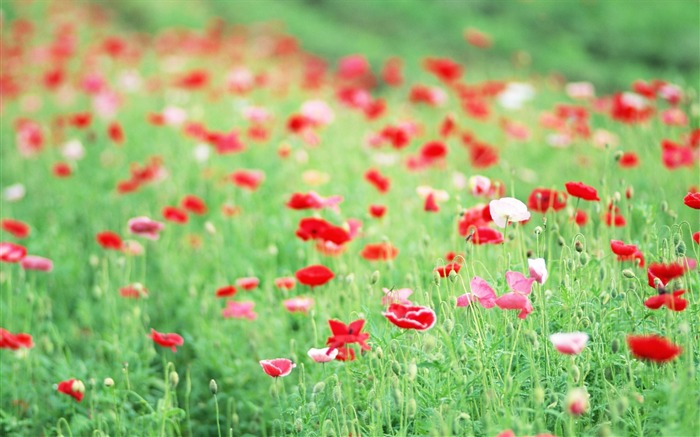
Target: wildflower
[
  {"x": 379, "y": 252},
  {"x": 582, "y": 191},
  {"x": 134, "y": 291},
  {"x": 314, "y": 275},
  {"x": 248, "y": 283},
  {"x": 664, "y": 273},
  {"x": 399, "y": 296},
  {"x": 410, "y": 317},
  {"x": 298, "y": 304},
  {"x": 226, "y": 291},
  {"x": 72, "y": 387},
  {"x": 344, "y": 335},
  {"x": 543, "y": 199},
  {"x": 626, "y": 252},
  {"x": 32, "y": 262},
  {"x": 538, "y": 269},
  {"x": 692, "y": 200},
  {"x": 444, "y": 271},
  {"x": 481, "y": 292},
  {"x": 517, "y": 299},
  {"x": 377, "y": 211},
  {"x": 194, "y": 204},
  {"x": 312, "y": 200},
  {"x": 175, "y": 215},
  {"x": 170, "y": 340},
  {"x": 653, "y": 348},
  {"x": 322, "y": 355},
  {"x": 239, "y": 310},
  {"x": 379, "y": 182},
  {"x": 145, "y": 227},
  {"x": 248, "y": 179},
  {"x": 569, "y": 343},
  {"x": 278, "y": 367},
  {"x": 12, "y": 341},
  {"x": 508, "y": 209},
  {"x": 577, "y": 401},
  {"x": 15, "y": 227},
  {"x": 486, "y": 235},
  {"x": 286, "y": 283},
  {"x": 109, "y": 240},
  {"x": 672, "y": 301}
]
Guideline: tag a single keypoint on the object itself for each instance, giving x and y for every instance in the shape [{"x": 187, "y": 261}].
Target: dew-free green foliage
[{"x": 476, "y": 372}]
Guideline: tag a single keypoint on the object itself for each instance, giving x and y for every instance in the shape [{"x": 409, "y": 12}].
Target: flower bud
[
  {"x": 411, "y": 407},
  {"x": 575, "y": 373},
  {"x": 318, "y": 388},
  {"x": 578, "y": 246},
  {"x": 174, "y": 378},
  {"x": 584, "y": 258},
  {"x": 209, "y": 227},
  {"x": 629, "y": 274},
  {"x": 680, "y": 248},
  {"x": 577, "y": 402},
  {"x": 213, "y": 387},
  {"x": 453, "y": 276},
  {"x": 538, "y": 230},
  {"x": 109, "y": 382},
  {"x": 374, "y": 278},
  {"x": 412, "y": 371},
  {"x": 615, "y": 345}
]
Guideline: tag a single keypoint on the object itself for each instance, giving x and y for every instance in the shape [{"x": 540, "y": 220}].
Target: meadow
[{"x": 216, "y": 231}]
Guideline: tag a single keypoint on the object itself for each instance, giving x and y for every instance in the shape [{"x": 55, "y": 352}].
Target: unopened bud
[
  {"x": 680, "y": 248},
  {"x": 615, "y": 345},
  {"x": 109, "y": 382},
  {"x": 412, "y": 371},
  {"x": 411, "y": 407},
  {"x": 575, "y": 373},
  {"x": 209, "y": 227},
  {"x": 578, "y": 246},
  {"x": 213, "y": 387},
  {"x": 452, "y": 276},
  {"x": 584, "y": 258},
  {"x": 538, "y": 230},
  {"x": 374, "y": 278},
  {"x": 174, "y": 378},
  {"x": 318, "y": 388},
  {"x": 629, "y": 274},
  {"x": 436, "y": 278},
  {"x": 664, "y": 206}
]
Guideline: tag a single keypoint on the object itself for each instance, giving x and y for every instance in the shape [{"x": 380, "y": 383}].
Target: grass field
[{"x": 164, "y": 191}]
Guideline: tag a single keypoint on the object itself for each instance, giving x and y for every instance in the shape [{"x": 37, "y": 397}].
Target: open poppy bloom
[
  {"x": 672, "y": 301},
  {"x": 664, "y": 273},
  {"x": 344, "y": 335},
  {"x": 194, "y": 204},
  {"x": 508, "y": 209},
  {"x": 379, "y": 252},
  {"x": 175, "y": 214},
  {"x": 286, "y": 283},
  {"x": 226, "y": 291},
  {"x": 239, "y": 310},
  {"x": 653, "y": 348},
  {"x": 569, "y": 343},
  {"x": 145, "y": 227},
  {"x": 73, "y": 387},
  {"x": 322, "y": 355},
  {"x": 12, "y": 341},
  {"x": 167, "y": 340},
  {"x": 278, "y": 367},
  {"x": 15, "y": 227},
  {"x": 444, "y": 271},
  {"x": 582, "y": 191},
  {"x": 626, "y": 252},
  {"x": 298, "y": 304},
  {"x": 517, "y": 299},
  {"x": 396, "y": 296},
  {"x": 577, "y": 401},
  {"x": 485, "y": 235},
  {"x": 133, "y": 291},
  {"x": 248, "y": 283},
  {"x": 312, "y": 200},
  {"x": 481, "y": 292},
  {"x": 248, "y": 179},
  {"x": 410, "y": 317},
  {"x": 538, "y": 269},
  {"x": 542, "y": 199},
  {"x": 314, "y": 275},
  {"x": 33, "y": 262},
  {"x": 11, "y": 252},
  {"x": 375, "y": 178},
  {"x": 692, "y": 200},
  {"x": 109, "y": 240}
]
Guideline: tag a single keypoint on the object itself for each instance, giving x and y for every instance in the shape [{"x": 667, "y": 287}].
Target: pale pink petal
[
  {"x": 518, "y": 282},
  {"x": 483, "y": 291}
]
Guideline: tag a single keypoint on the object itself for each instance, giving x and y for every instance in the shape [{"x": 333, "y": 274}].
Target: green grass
[{"x": 476, "y": 372}]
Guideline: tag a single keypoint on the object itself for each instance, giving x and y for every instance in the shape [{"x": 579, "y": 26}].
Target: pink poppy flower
[
  {"x": 481, "y": 292},
  {"x": 277, "y": 367},
  {"x": 298, "y": 304},
  {"x": 569, "y": 343},
  {"x": 11, "y": 252},
  {"x": 239, "y": 310},
  {"x": 32, "y": 262},
  {"x": 323, "y": 355},
  {"x": 410, "y": 317},
  {"x": 538, "y": 269},
  {"x": 396, "y": 296},
  {"x": 508, "y": 209},
  {"x": 577, "y": 401},
  {"x": 145, "y": 227},
  {"x": 517, "y": 299}
]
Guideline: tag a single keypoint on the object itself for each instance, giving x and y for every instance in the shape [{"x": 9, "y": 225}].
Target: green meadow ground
[{"x": 476, "y": 372}]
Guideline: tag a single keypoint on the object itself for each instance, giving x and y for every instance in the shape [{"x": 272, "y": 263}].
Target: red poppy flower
[
  {"x": 15, "y": 227},
  {"x": 692, "y": 200},
  {"x": 580, "y": 217},
  {"x": 473, "y": 218},
  {"x": 345, "y": 354},
  {"x": 391, "y": 73},
  {"x": 444, "y": 69},
  {"x": 194, "y": 204},
  {"x": 115, "y": 132},
  {"x": 377, "y": 211},
  {"x": 379, "y": 252},
  {"x": 286, "y": 283},
  {"x": 582, "y": 191},
  {"x": 433, "y": 150},
  {"x": 167, "y": 340},
  {"x": 12, "y": 341},
  {"x": 62, "y": 170},
  {"x": 430, "y": 204},
  {"x": 193, "y": 80},
  {"x": 248, "y": 284},
  {"x": 626, "y": 252},
  {"x": 542, "y": 199},
  {"x": 696, "y": 237},
  {"x": 134, "y": 291},
  {"x": 482, "y": 155},
  {"x": 671, "y": 301},
  {"x": 653, "y": 348},
  {"x": 477, "y": 38},
  {"x": 248, "y": 179},
  {"x": 175, "y": 215},
  {"x": 278, "y": 367},
  {"x": 80, "y": 120},
  {"x": 675, "y": 156},
  {"x": 109, "y": 240},
  {"x": 375, "y": 178},
  {"x": 665, "y": 273},
  {"x": 410, "y": 317},
  {"x": 445, "y": 270},
  {"x": 344, "y": 335},
  {"x": 226, "y": 291},
  {"x": 486, "y": 235},
  {"x": 11, "y": 252},
  {"x": 72, "y": 387},
  {"x": 314, "y": 275},
  {"x": 33, "y": 262},
  {"x": 318, "y": 229},
  {"x": 628, "y": 160}
]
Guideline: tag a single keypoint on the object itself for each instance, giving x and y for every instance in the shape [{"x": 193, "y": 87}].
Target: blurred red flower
[
  {"x": 653, "y": 348},
  {"x": 167, "y": 340},
  {"x": 314, "y": 275}
]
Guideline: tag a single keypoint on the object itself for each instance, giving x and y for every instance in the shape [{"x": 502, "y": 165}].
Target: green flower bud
[{"x": 213, "y": 387}]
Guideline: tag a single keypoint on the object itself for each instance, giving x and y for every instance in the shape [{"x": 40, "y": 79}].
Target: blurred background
[{"x": 610, "y": 43}]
